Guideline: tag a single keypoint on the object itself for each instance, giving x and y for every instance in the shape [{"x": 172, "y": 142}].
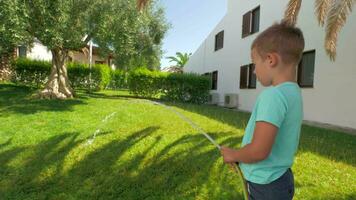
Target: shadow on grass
[
  {"x": 333, "y": 145},
  {"x": 5, "y": 144},
  {"x": 18, "y": 99},
  {"x": 330, "y": 144},
  {"x": 137, "y": 167}
]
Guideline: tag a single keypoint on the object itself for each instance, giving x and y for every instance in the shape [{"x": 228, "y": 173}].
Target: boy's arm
[{"x": 259, "y": 148}]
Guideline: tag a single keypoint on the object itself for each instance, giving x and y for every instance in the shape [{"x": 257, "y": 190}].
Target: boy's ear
[{"x": 272, "y": 59}]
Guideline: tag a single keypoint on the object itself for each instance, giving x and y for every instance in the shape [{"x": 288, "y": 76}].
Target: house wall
[
  {"x": 82, "y": 58},
  {"x": 39, "y": 52},
  {"x": 331, "y": 100}
]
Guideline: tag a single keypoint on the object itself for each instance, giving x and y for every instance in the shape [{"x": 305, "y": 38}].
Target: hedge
[
  {"x": 186, "y": 87},
  {"x": 36, "y": 72}
]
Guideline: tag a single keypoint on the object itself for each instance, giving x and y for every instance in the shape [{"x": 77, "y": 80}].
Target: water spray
[
  {"x": 200, "y": 130},
  {"x": 97, "y": 131}
]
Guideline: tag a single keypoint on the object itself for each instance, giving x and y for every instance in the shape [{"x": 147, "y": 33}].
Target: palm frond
[
  {"x": 173, "y": 59},
  {"x": 291, "y": 13},
  {"x": 179, "y": 55},
  {"x": 322, "y": 8},
  {"x": 335, "y": 21},
  {"x": 141, "y": 4}
]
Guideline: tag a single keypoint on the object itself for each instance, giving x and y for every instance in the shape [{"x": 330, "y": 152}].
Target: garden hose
[{"x": 198, "y": 128}]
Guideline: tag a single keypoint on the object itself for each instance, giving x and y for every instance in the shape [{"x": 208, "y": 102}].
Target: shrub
[
  {"x": 118, "y": 80},
  {"x": 79, "y": 74},
  {"x": 31, "y": 72},
  {"x": 188, "y": 87},
  {"x": 36, "y": 72},
  {"x": 146, "y": 83}
]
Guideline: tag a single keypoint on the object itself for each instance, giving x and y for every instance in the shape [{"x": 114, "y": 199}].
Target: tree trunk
[
  {"x": 5, "y": 65},
  {"x": 57, "y": 86}
]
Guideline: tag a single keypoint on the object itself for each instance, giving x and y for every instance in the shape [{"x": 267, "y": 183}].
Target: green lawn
[{"x": 144, "y": 151}]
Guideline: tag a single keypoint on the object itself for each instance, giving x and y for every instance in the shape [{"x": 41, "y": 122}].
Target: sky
[{"x": 191, "y": 22}]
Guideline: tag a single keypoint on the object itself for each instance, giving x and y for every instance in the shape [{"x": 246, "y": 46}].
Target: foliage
[
  {"x": 31, "y": 72},
  {"x": 173, "y": 87},
  {"x": 81, "y": 76},
  {"x": 35, "y": 73},
  {"x": 118, "y": 80},
  {"x": 146, "y": 83},
  {"x": 135, "y": 37},
  {"x": 12, "y": 26},
  {"x": 180, "y": 59},
  {"x": 187, "y": 87},
  {"x": 330, "y": 13}
]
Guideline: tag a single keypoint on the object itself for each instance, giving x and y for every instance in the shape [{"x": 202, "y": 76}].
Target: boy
[{"x": 272, "y": 133}]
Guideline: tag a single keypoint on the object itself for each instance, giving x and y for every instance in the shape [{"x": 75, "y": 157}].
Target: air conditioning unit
[
  {"x": 231, "y": 100},
  {"x": 213, "y": 98}
]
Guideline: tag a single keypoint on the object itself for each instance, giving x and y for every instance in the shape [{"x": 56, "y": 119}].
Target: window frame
[
  {"x": 244, "y": 73},
  {"x": 300, "y": 70},
  {"x": 248, "y": 20},
  {"x": 219, "y": 40},
  {"x": 247, "y": 72},
  {"x": 251, "y": 69},
  {"x": 214, "y": 80},
  {"x": 22, "y": 51}
]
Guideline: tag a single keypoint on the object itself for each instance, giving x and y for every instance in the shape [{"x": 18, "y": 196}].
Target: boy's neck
[{"x": 286, "y": 74}]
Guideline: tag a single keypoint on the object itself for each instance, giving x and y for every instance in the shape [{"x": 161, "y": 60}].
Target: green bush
[
  {"x": 36, "y": 72},
  {"x": 187, "y": 87},
  {"x": 146, "y": 83},
  {"x": 118, "y": 80},
  {"x": 79, "y": 74},
  {"x": 173, "y": 87},
  {"x": 31, "y": 72},
  {"x": 141, "y": 82}
]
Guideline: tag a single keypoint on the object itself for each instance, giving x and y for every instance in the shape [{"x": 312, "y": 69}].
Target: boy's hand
[{"x": 228, "y": 154}]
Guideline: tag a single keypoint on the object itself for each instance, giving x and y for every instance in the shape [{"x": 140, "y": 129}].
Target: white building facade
[{"x": 328, "y": 88}]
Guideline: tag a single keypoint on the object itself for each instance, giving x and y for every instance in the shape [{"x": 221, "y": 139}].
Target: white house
[
  {"x": 328, "y": 88},
  {"x": 40, "y": 52}
]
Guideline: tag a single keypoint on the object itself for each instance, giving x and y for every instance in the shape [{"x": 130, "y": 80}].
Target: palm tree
[
  {"x": 332, "y": 13},
  {"x": 180, "y": 59}
]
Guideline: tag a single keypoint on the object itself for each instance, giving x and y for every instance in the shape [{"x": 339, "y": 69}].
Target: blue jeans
[{"x": 280, "y": 189}]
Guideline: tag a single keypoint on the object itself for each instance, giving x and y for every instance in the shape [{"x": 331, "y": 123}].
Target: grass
[{"x": 144, "y": 151}]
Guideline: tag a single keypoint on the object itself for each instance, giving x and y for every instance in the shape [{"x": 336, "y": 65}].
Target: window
[
  {"x": 251, "y": 77},
  {"x": 247, "y": 77},
  {"x": 306, "y": 69},
  {"x": 255, "y": 20},
  {"x": 22, "y": 51},
  {"x": 251, "y": 22},
  {"x": 214, "y": 78},
  {"x": 219, "y": 40},
  {"x": 243, "y": 77}
]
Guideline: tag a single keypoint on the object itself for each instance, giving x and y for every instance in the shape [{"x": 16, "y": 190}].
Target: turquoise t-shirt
[{"x": 281, "y": 106}]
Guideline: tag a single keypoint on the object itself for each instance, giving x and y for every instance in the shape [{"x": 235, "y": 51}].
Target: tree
[
  {"x": 330, "y": 13},
  {"x": 12, "y": 33},
  {"x": 180, "y": 59},
  {"x": 139, "y": 44},
  {"x": 61, "y": 25}
]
